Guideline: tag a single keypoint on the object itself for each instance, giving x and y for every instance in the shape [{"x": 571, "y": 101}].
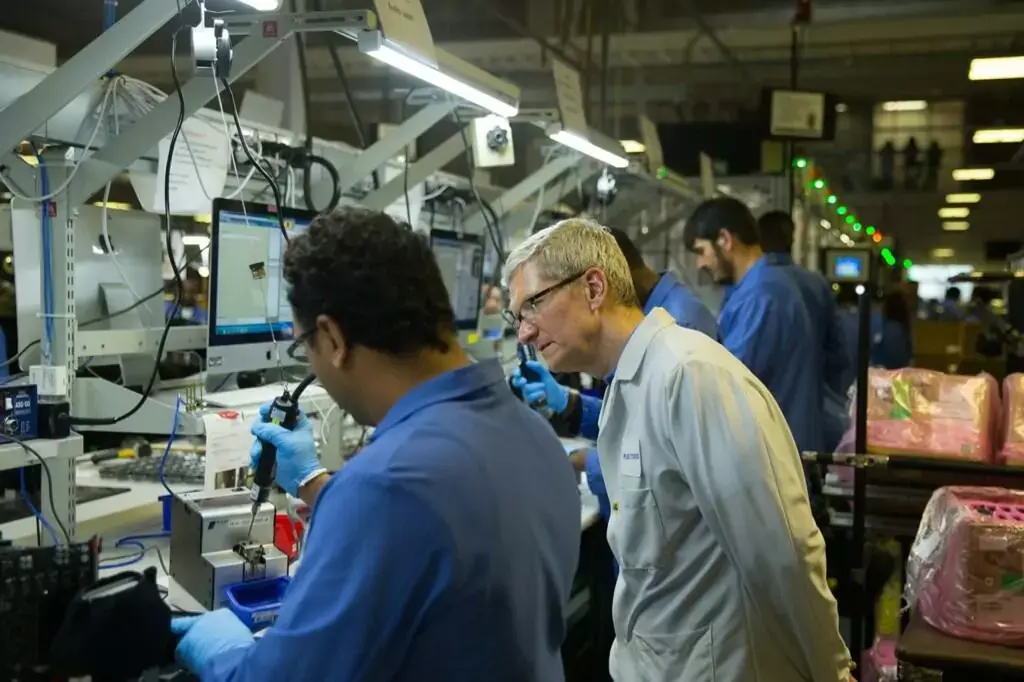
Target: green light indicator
[
  {"x": 833, "y": 199},
  {"x": 870, "y": 231},
  {"x": 850, "y": 220},
  {"x": 841, "y": 210},
  {"x": 819, "y": 184},
  {"x": 800, "y": 162},
  {"x": 662, "y": 173},
  {"x": 907, "y": 264}
]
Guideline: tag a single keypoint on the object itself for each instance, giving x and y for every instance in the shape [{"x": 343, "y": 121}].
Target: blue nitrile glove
[
  {"x": 205, "y": 637},
  {"x": 297, "y": 462},
  {"x": 556, "y": 394}
]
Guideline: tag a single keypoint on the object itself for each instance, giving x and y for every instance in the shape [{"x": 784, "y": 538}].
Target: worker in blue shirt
[
  {"x": 446, "y": 549},
  {"x": 764, "y": 322},
  {"x": 776, "y": 228},
  {"x": 579, "y": 412}
]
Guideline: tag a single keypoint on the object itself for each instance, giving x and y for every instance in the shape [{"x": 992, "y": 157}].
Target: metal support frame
[
  {"x": 671, "y": 219},
  {"x": 57, "y": 90},
  {"x": 60, "y": 456},
  {"x": 510, "y": 200},
  {"x": 104, "y": 165},
  {"x": 554, "y": 193},
  {"x": 418, "y": 172},
  {"x": 394, "y": 144}
]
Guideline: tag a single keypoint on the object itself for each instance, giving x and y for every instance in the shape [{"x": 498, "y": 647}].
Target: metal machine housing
[{"x": 209, "y": 536}]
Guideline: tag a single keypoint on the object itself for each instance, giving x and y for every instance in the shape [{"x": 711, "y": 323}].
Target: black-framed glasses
[
  {"x": 297, "y": 348},
  {"x": 531, "y": 304}
]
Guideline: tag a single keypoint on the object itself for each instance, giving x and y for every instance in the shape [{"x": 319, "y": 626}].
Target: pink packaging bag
[
  {"x": 1012, "y": 436},
  {"x": 965, "y": 575},
  {"x": 926, "y": 413}
]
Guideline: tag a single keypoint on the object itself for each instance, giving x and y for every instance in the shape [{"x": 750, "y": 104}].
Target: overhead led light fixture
[
  {"x": 943, "y": 253},
  {"x": 998, "y": 135},
  {"x": 956, "y": 226},
  {"x": 966, "y": 174},
  {"x": 451, "y": 75},
  {"x": 954, "y": 212},
  {"x": 964, "y": 198},
  {"x": 906, "y": 105},
  {"x": 607, "y": 153},
  {"x": 996, "y": 68},
  {"x": 263, "y": 5},
  {"x": 633, "y": 146}
]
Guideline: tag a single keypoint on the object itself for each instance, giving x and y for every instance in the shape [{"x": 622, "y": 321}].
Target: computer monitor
[
  {"x": 249, "y": 310},
  {"x": 461, "y": 259},
  {"x": 848, "y": 265}
]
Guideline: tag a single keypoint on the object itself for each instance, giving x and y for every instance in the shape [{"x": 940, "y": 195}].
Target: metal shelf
[{"x": 60, "y": 456}]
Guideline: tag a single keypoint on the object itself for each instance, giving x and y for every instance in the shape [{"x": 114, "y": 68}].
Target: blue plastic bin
[{"x": 257, "y": 603}]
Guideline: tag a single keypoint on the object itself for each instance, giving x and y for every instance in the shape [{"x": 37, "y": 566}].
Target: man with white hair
[{"x": 722, "y": 568}]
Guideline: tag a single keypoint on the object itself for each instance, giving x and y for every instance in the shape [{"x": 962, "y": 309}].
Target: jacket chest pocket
[{"x": 636, "y": 532}]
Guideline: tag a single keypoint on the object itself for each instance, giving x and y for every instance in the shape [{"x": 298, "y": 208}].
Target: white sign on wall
[{"x": 569, "y": 91}]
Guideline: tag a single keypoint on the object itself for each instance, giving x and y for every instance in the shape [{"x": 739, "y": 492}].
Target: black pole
[
  {"x": 857, "y": 534},
  {"x": 794, "y": 79}
]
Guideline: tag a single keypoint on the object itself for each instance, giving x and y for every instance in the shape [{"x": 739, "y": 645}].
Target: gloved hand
[
  {"x": 296, "y": 451},
  {"x": 205, "y": 637},
  {"x": 556, "y": 394}
]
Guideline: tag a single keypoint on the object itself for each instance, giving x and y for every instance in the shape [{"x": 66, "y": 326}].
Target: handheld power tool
[
  {"x": 284, "y": 412},
  {"x": 526, "y": 353}
]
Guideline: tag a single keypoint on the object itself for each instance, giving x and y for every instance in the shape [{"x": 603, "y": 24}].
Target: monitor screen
[
  {"x": 461, "y": 259},
  {"x": 848, "y": 266},
  {"x": 248, "y": 301}
]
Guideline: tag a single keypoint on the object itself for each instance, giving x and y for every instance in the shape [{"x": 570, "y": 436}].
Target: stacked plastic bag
[
  {"x": 1013, "y": 420},
  {"x": 926, "y": 413},
  {"x": 965, "y": 575}
]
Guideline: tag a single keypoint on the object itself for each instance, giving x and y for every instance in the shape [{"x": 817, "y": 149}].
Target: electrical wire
[
  {"x": 49, "y": 482},
  {"x": 178, "y": 404},
  {"x": 132, "y": 559}
]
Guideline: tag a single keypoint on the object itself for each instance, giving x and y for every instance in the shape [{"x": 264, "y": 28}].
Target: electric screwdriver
[
  {"x": 526, "y": 353},
  {"x": 284, "y": 412}
]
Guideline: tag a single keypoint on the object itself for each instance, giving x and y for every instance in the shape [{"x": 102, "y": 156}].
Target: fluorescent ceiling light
[
  {"x": 375, "y": 46},
  {"x": 585, "y": 146},
  {"x": 633, "y": 146},
  {"x": 956, "y": 226},
  {"x": 954, "y": 212},
  {"x": 906, "y": 105},
  {"x": 965, "y": 174},
  {"x": 964, "y": 198},
  {"x": 996, "y": 68},
  {"x": 200, "y": 240},
  {"x": 998, "y": 135},
  {"x": 943, "y": 253},
  {"x": 262, "y": 5}
]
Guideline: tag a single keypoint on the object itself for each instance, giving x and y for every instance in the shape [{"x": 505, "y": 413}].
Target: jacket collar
[
  {"x": 633, "y": 354},
  {"x": 448, "y": 386}
]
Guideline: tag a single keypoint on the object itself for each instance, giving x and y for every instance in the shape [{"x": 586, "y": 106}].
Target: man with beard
[
  {"x": 446, "y": 549},
  {"x": 763, "y": 321},
  {"x": 722, "y": 568}
]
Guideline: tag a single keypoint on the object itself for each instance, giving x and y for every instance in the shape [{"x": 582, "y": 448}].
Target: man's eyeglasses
[
  {"x": 297, "y": 348},
  {"x": 531, "y": 305}
]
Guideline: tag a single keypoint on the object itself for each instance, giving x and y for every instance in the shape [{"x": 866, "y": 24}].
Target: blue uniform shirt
[
  {"x": 838, "y": 361},
  {"x": 444, "y": 551},
  {"x": 688, "y": 311},
  {"x": 766, "y": 325}
]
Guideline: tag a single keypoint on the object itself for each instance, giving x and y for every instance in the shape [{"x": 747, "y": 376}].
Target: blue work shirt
[
  {"x": 444, "y": 551},
  {"x": 688, "y": 311},
  {"x": 766, "y": 325},
  {"x": 837, "y": 358},
  {"x": 187, "y": 313}
]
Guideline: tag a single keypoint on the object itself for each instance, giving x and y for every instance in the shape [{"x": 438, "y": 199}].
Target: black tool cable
[{"x": 49, "y": 482}]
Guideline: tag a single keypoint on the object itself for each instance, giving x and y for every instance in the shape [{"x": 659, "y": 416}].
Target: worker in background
[
  {"x": 580, "y": 411},
  {"x": 722, "y": 567},
  {"x": 896, "y": 348},
  {"x": 776, "y": 228},
  {"x": 190, "y": 309},
  {"x": 763, "y": 321},
  {"x": 446, "y": 549},
  {"x": 952, "y": 305}
]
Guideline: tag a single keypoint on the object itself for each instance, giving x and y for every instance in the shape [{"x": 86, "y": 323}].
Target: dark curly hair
[{"x": 376, "y": 278}]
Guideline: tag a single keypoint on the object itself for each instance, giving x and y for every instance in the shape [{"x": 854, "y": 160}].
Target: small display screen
[{"x": 848, "y": 267}]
